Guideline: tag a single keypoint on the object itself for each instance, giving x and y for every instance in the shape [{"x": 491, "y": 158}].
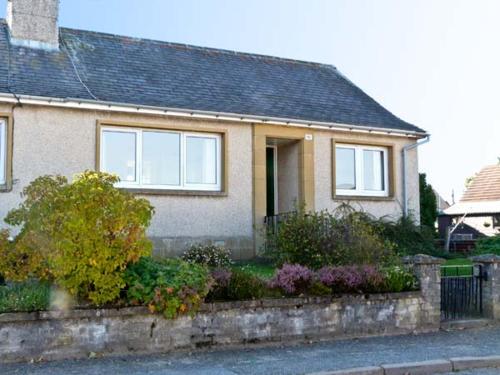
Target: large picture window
[
  {"x": 3, "y": 152},
  {"x": 361, "y": 170},
  {"x": 162, "y": 159}
]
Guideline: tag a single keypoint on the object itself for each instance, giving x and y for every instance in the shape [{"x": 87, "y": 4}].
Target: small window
[
  {"x": 3, "y": 152},
  {"x": 160, "y": 159},
  {"x": 361, "y": 170},
  {"x": 496, "y": 221}
]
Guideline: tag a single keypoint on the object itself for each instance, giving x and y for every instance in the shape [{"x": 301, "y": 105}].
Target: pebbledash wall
[
  {"x": 63, "y": 141},
  {"x": 49, "y": 140},
  {"x": 77, "y": 333}
]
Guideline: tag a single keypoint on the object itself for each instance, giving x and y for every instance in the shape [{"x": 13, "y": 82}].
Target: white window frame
[
  {"x": 183, "y": 185},
  {"x": 359, "y": 175},
  {"x": 3, "y": 152}
]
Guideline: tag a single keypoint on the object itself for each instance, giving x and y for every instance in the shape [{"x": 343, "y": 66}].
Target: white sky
[{"x": 434, "y": 63}]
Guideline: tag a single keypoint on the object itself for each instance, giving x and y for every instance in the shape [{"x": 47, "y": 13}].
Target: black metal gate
[{"x": 461, "y": 292}]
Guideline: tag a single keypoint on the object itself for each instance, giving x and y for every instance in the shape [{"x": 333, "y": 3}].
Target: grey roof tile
[{"x": 152, "y": 73}]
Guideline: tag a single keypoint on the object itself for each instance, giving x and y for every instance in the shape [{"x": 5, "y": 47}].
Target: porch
[{"x": 283, "y": 173}]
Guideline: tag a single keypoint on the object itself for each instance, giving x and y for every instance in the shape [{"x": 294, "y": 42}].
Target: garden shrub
[
  {"x": 351, "y": 279},
  {"x": 293, "y": 279},
  {"x": 20, "y": 261},
  {"x": 488, "y": 245},
  {"x": 82, "y": 235},
  {"x": 24, "y": 296},
  {"x": 209, "y": 255},
  {"x": 221, "y": 277},
  {"x": 408, "y": 237},
  {"x": 397, "y": 279},
  {"x": 316, "y": 239},
  {"x": 317, "y": 288},
  {"x": 242, "y": 285},
  {"x": 168, "y": 286}
]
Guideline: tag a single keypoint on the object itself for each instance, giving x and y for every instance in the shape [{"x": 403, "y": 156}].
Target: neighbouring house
[
  {"x": 216, "y": 139},
  {"x": 477, "y": 214}
]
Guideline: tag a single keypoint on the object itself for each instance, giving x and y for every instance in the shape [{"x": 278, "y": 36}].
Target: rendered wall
[
  {"x": 392, "y": 206},
  {"x": 63, "y": 141}
]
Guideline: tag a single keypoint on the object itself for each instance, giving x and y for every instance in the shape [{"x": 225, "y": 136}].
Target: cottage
[{"x": 217, "y": 140}]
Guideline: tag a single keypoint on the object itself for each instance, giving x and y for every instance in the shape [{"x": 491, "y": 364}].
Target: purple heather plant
[
  {"x": 221, "y": 276},
  {"x": 292, "y": 279},
  {"x": 351, "y": 279}
]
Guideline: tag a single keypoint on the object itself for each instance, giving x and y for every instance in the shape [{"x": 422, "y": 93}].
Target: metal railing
[{"x": 273, "y": 222}]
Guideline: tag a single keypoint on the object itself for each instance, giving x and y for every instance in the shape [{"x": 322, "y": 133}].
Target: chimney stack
[{"x": 33, "y": 23}]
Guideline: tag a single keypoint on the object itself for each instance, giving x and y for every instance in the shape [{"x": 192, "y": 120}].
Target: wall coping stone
[
  {"x": 82, "y": 313},
  {"x": 486, "y": 258},
  {"x": 423, "y": 259}
]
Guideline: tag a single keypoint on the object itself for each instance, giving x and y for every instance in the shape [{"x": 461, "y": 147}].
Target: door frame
[{"x": 275, "y": 177}]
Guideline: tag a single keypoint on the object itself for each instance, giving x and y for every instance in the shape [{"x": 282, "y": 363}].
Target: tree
[{"x": 428, "y": 202}]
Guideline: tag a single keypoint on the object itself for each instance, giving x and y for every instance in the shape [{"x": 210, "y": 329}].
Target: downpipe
[{"x": 405, "y": 170}]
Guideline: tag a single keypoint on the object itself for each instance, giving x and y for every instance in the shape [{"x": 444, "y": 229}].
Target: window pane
[
  {"x": 345, "y": 168},
  {"x": 373, "y": 170},
  {"x": 119, "y": 154},
  {"x": 161, "y": 156},
  {"x": 201, "y": 160},
  {"x": 3, "y": 151}
]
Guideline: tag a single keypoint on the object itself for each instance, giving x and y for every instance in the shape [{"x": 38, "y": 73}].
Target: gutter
[
  {"x": 405, "y": 178},
  {"x": 223, "y": 116}
]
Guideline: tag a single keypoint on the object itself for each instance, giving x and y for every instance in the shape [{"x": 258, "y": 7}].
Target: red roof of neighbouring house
[
  {"x": 482, "y": 196},
  {"x": 484, "y": 186}
]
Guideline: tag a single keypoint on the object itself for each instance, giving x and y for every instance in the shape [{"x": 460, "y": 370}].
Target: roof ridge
[{"x": 201, "y": 48}]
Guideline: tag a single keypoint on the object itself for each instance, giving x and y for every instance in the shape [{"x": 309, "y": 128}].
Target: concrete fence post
[
  {"x": 427, "y": 269},
  {"x": 491, "y": 284}
]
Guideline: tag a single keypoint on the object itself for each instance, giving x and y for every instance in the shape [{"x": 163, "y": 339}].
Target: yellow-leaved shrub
[{"x": 80, "y": 235}]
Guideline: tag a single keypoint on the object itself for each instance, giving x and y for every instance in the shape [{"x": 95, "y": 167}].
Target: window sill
[
  {"x": 5, "y": 188},
  {"x": 362, "y": 198},
  {"x": 189, "y": 193}
]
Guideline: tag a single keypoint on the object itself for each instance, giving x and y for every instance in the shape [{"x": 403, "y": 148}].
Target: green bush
[
  {"x": 26, "y": 296},
  {"x": 488, "y": 245},
  {"x": 408, "y": 237},
  {"x": 168, "y": 286},
  {"x": 317, "y": 288},
  {"x": 316, "y": 239},
  {"x": 397, "y": 279},
  {"x": 209, "y": 255},
  {"x": 82, "y": 235},
  {"x": 241, "y": 285}
]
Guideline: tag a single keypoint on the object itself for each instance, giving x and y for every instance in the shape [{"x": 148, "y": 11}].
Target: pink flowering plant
[
  {"x": 352, "y": 279},
  {"x": 293, "y": 279}
]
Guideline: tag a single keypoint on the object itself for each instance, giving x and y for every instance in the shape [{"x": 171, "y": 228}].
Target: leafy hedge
[{"x": 488, "y": 245}]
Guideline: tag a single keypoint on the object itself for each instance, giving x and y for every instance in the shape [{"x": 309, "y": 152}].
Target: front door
[{"x": 271, "y": 183}]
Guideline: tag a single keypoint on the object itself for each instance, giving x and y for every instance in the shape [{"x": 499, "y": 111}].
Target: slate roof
[{"x": 152, "y": 73}]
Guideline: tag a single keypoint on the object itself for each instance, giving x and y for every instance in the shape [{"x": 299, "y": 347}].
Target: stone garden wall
[{"x": 79, "y": 333}]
